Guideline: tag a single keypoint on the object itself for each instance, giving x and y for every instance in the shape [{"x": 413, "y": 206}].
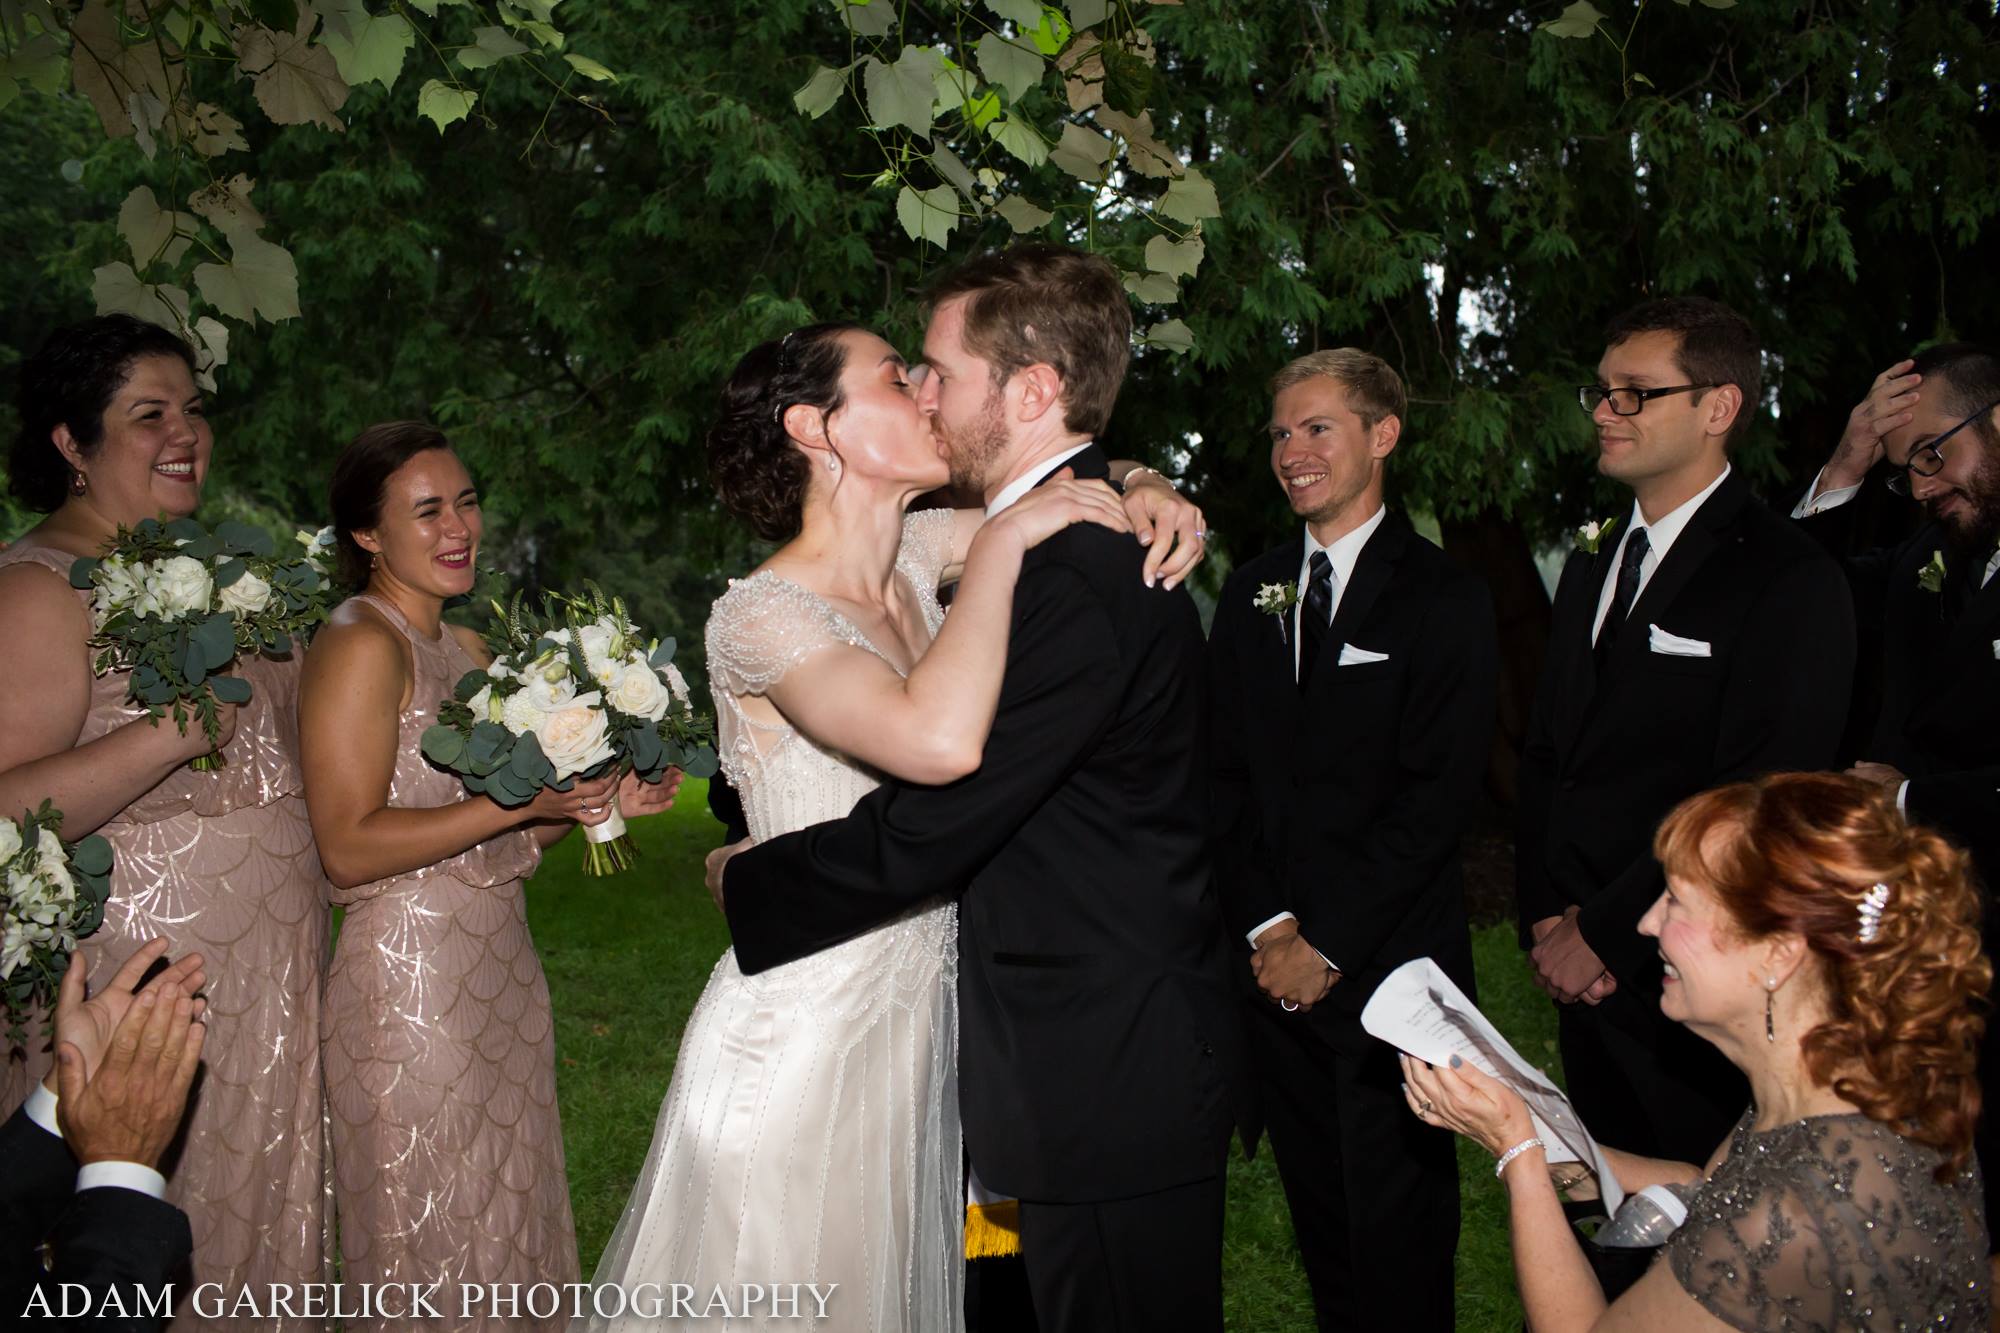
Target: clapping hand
[{"x": 87, "y": 1024}]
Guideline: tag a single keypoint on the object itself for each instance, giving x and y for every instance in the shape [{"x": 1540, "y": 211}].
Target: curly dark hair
[
  {"x": 1799, "y": 852},
  {"x": 359, "y": 476},
  {"x": 70, "y": 381},
  {"x": 758, "y": 473}
]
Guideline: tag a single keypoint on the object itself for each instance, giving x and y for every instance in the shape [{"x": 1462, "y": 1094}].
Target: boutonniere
[
  {"x": 1931, "y": 577},
  {"x": 1277, "y": 599},
  {"x": 1592, "y": 534}
]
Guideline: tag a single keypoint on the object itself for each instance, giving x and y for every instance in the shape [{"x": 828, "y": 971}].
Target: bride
[{"x": 811, "y": 1131}]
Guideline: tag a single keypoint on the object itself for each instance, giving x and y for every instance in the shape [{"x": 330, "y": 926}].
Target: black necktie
[
  {"x": 1627, "y": 592},
  {"x": 1316, "y": 615}
]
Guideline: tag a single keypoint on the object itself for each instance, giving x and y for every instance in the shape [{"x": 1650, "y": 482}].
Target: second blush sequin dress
[{"x": 439, "y": 1053}]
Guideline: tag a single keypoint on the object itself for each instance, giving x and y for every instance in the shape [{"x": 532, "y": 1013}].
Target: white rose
[
  {"x": 248, "y": 596},
  {"x": 519, "y": 714},
  {"x": 178, "y": 585},
  {"x": 596, "y": 642},
  {"x": 639, "y": 691},
  {"x": 15, "y": 946},
  {"x": 551, "y": 687},
  {"x": 32, "y": 901},
  {"x": 574, "y": 736},
  {"x": 482, "y": 707},
  {"x": 10, "y": 840},
  {"x": 49, "y": 851}
]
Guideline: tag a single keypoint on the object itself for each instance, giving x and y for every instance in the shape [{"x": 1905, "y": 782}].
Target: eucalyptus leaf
[{"x": 229, "y": 689}]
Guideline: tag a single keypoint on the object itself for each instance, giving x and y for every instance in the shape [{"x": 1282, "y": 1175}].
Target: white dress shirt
[
  {"x": 1818, "y": 502},
  {"x": 41, "y": 1108},
  {"x": 1342, "y": 555},
  {"x": 1030, "y": 479},
  {"x": 1660, "y": 535}
]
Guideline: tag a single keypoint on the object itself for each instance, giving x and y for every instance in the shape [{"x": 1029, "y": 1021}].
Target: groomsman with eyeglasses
[
  {"x": 1352, "y": 684},
  {"x": 1697, "y": 639},
  {"x": 1932, "y": 425}
]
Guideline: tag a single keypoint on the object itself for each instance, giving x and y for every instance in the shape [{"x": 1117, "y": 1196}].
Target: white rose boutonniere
[
  {"x": 1590, "y": 537},
  {"x": 1278, "y": 599},
  {"x": 1931, "y": 577}
]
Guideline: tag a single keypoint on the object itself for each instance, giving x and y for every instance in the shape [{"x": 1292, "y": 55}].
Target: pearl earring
[{"x": 832, "y": 463}]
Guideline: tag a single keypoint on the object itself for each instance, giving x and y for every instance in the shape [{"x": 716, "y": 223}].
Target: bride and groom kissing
[{"x": 977, "y": 886}]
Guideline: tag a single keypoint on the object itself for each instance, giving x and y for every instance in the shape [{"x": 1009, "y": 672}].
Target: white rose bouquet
[
  {"x": 51, "y": 894},
  {"x": 174, "y": 604},
  {"x": 574, "y": 691}
]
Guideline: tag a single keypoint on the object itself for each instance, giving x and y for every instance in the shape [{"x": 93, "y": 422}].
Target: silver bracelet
[
  {"x": 1126, "y": 480},
  {"x": 1515, "y": 1151}
]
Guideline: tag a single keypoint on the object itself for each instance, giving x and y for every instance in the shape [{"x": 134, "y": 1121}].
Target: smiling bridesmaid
[
  {"x": 439, "y": 1045},
  {"x": 221, "y": 863}
]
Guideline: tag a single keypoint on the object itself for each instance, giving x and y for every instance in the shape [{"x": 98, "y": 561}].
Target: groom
[{"x": 1097, "y": 1050}]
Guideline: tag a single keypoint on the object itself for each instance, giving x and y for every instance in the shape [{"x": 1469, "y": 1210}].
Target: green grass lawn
[{"x": 627, "y": 956}]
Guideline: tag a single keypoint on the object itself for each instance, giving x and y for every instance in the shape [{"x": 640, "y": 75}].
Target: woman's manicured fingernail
[{"x": 1456, "y": 1062}]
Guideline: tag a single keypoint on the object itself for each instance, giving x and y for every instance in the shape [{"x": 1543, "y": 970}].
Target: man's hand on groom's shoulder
[{"x": 718, "y": 861}]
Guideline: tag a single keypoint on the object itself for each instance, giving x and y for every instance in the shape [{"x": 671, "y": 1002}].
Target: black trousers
[
  {"x": 1373, "y": 1191},
  {"x": 1150, "y": 1264},
  {"x": 1643, "y": 1083}
]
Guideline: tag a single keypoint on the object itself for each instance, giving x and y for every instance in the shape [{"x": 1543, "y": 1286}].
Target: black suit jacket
[
  {"x": 1096, "y": 1050},
  {"x": 1940, "y": 672},
  {"x": 100, "y": 1238},
  {"x": 1345, "y": 805},
  {"x": 1607, "y": 758}
]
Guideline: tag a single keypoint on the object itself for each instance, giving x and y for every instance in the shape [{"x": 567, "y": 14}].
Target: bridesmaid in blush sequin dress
[
  {"x": 438, "y": 1041},
  {"x": 220, "y": 863}
]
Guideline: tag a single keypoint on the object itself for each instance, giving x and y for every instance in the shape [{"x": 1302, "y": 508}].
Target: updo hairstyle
[
  {"x": 359, "y": 476},
  {"x": 758, "y": 471},
  {"x": 1905, "y": 995},
  {"x": 70, "y": 381}
]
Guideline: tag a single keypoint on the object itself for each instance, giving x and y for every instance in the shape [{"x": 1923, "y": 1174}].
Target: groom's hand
[
  {"x": 1288, "y": 968},
  {"x": 718, "y": 861}
]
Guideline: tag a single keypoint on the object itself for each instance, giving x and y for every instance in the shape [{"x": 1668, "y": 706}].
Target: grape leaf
[
  {"x": 1023, "y": 13},
  {"x": 1022, "y": 215},
  {"x": 1180, "y": 258},
  {"x": 296, "y": 83},
  {"x": 1153, "y": 288},
  {"x": 117, "y": 290},
  {"x": 902, "y": 93},
  {"x": 367, "y": 47},
  {"x": 928, "y": 215},
  {"x": 867, "y": 18},
  {"x": 149, "y": 229},
  {"x": 490, "y": 45},
  {"x": 1021, "y": 139},
  {"x": 1172, "y": 334},
  {"x": 259, "y": 279},
  {"x": 1087, "y": 13},
  {"x": 1189, "y": 199},
  {"x": 1579, "y": 20},
  {"x": 1017, "y": 69},
  {"x": 444, "y": 104},
  {"x": 589, "y": 68},
  {"x": 947, "y": 164},
  {"x": 1082, "y": 153},
  {"x": 818, "y": 94}
]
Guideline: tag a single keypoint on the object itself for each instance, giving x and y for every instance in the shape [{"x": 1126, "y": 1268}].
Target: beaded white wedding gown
[{"x": 811, "y": 1130}]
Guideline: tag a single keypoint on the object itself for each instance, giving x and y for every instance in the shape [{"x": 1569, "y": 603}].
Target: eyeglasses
[
  {"x": 1627, "y": 402},
  {"x": 1927, "y": 459}
]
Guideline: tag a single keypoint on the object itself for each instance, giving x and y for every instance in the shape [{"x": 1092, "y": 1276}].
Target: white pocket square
[
  {"x": 1996, "y": 650},
  {"x": 1673, "y": 645},
  {"x": 1352, "y": 656}
]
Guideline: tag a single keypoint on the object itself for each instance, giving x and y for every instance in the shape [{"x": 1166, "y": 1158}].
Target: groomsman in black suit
[
  {"x": 1702, "y": 640},
  {"x": 1098, "y": 1043},
  {"x": 78, "y": 1177},
  {"x": 1935, "y": 601},
  {"x": 1352, "y": 680}
]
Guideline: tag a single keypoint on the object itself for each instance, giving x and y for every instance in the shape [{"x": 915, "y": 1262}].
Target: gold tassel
[{"x": 992, "y": 1230}]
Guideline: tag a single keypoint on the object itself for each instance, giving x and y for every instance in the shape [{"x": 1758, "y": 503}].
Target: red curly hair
[{"x": 1797, "y": 852}]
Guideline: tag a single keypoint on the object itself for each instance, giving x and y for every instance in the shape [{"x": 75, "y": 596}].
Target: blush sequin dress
[
  {"x": 440, "y": 1058},
  {"x": 223, "y": 864}
]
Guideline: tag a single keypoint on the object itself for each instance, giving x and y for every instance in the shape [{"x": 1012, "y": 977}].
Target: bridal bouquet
[
  {"x": 574, "y": 691},
  {"x": 174, "y": 604},
  {"x": 51, "y": 893}
]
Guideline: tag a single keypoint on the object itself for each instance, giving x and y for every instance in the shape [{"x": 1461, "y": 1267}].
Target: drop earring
[
  {"x": 78, "y": 483},
  {"x": 833, "y": 462},
  {"x": 1770, "y": 1004}
]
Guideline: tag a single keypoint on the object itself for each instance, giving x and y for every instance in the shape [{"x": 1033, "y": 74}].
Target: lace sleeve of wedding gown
[
  {"x": 926, "y": 547},
  {"x": 1832, "y": 1222},
  {"x": 763, "y": 627}
]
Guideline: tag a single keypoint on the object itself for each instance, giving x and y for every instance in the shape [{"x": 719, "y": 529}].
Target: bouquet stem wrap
[{"x": 608, "y": 847}]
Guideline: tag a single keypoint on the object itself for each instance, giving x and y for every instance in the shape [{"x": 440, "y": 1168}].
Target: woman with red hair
[{"x": 1831, "y": 951}]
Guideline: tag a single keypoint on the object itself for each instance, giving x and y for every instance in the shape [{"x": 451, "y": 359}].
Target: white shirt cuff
[
  {"x": 41, "y": 1108},
  {"x": 1259, "y": 929},
  {"x": 1284, "y": 916},
  {"x": 122, "y": 1175},
  {"x": 1816, "y": 503},
  {"x": 1903, "y": 798}
]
